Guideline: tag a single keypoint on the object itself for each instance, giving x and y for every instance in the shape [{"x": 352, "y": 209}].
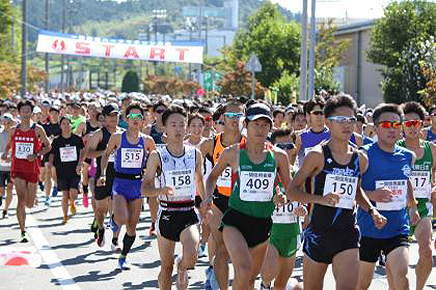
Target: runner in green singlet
[{"x": 421, "y": 177}]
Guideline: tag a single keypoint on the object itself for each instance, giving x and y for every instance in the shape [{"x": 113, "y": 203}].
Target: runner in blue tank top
[
  {"x": 430, "y": 132},
  {"x": 132, "y": 148},
  {"x": 332, "y": 236},
  {"x": 386, "y": 182}
]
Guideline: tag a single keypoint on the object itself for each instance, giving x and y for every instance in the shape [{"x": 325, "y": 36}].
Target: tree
[
  {"x": 238, "y": 83},
  {"x": 287, "y": 88},
  {"x": 394, "y": 44},
  {"x": 275, "y": 42},
  {"x": 428, "y": 69},
  {"x": 328, "y": 51},
  {"x": 130, "y": 82}
]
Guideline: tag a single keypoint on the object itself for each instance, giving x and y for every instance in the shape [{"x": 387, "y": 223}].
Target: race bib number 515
[{"x": 131, "y": 157}]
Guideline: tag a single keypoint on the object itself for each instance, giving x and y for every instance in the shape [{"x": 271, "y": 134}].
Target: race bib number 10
[
  {"x": 22, "y": 150},
  {"x": 257, "y": 186},
  {"x": 131, "y": 157},
  {"x": 399, "y": 200},
  {"x": 346, "y": 186}
]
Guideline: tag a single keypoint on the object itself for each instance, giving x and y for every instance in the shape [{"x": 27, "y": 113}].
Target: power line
[{"x": 20, "y": 21}]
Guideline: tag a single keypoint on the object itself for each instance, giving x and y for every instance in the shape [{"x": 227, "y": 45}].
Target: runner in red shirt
[{"x": 26, "y": 141}]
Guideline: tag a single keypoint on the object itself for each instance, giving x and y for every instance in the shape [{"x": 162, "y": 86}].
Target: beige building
[{"x": 357, "y": 76}]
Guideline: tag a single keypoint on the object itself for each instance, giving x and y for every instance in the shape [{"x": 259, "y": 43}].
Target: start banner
[{"x": 61, "y": 43}]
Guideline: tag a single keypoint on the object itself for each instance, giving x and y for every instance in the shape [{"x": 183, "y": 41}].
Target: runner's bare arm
[
  {"x": 361, "y": 198},
  {"x": 206, "y": 147},
  {"x": 199, "y": 173},
  {"x": 113, "y": 144},
  {"x": 9, "y": 145},
  {"x": 149, "y": 143},
  {"x": 147, "y": 130},
  {"x": 283, "y": 168},
  {"x": 81, "y": 129},
  {"x": 312, "y": 165},
  {"x": 91, "y": 145},
  {"x": 229, "y": 157},
  {"x": 433, "y": 154},
  {"x": 40, "y": 132},
  {"x": 148, "y": 188}
]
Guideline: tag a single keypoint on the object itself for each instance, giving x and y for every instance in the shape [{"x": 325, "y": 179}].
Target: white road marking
[{"x": 51, "y": 259}]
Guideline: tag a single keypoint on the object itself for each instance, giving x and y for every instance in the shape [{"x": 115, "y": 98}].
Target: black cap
[
  {"x": 54, "y": 108},
  {"x": 75, "y": 104},
  {"x": 110, "y": 109},
  {"x": 257, "y": 111}
]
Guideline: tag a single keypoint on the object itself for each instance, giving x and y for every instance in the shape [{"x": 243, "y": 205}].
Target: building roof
[{"x": 355, "y": 27}]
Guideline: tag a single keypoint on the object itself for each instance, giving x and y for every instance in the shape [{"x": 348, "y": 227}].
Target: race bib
[
  {"x": 225, "y": 179},
  {"x": 183, "y": 183},
  {"x": 68, "y": 154},
  {"x": 346, "y": 186},
  {"x": 131, "y": 157},
  {"x": 399, "y": 200},
  {"x": 421, "y": 184},
  {"x": 22, "y": 150},
  {"x": 256, "y": 186},
  {"x": 285, "y": 214}
]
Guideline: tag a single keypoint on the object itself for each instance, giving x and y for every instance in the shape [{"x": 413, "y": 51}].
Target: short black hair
[
  {"x": 312, "y": 103},
  {"x": 218, "y": 113},
  {"x": 342, "y": 100},
  {"x": 386, "y": 108},
  {"x": 280, "y": 133},
  {"x": 432, "y": 108},
  {"x": 414, "y": 107},
  {"x": 233, "y": 102},
  {"x": 296, "y": 113},
  {"x": 278, "y": 111},
  {"x": 134, "y": 107},
  {"x": 173, "y": 109},
  {"x": 159, "y": 104},
  {"x": 361, "y": 118},
  {"x": 192, "y": 117},
  {"x": 64, "y": 118},
  {"x": 24, "y": 104}
]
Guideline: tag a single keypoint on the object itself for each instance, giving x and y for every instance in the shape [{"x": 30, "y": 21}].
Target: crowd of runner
[{"x": 234, "y": 180}]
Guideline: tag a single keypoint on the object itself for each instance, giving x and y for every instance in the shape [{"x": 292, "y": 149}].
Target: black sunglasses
[{"x": 285, "y": 146}]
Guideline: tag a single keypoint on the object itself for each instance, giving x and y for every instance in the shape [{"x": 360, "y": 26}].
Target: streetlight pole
[
  {"x": 47, "y": 19},
  {"x": 64, "y": 16},
  {"x": 303, "y": 56},
  {"x": 24, "y": 50},
  {"x": 312, "y": 52}
]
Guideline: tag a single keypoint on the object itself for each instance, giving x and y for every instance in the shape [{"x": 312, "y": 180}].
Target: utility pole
[
  {"x": 47, "y": 19},
  {"x": 13, "y": 34},
  {"x": 312, "y": 52},
  {"x": 24, "y": 50},
  {"x": 64, "y": 16},
  {"x": 303, "y": 56}
]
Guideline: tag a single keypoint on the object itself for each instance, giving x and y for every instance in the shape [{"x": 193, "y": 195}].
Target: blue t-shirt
[
  {"x": 430, "y": 136},
  {"x": 395, "y": 167}
]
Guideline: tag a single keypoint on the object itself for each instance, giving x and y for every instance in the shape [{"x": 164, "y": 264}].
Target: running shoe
[
  {"x": 41, "y": 186},
  {"x": 212, "y": 280},
  {"x": 47, "y": 201},
  {"x": 263, "y": 287},
  {"x": 100, "y": 238},
  {"x": 94, "y": 228},
  {"x": 202, "y": 251},
  {"x": 207, "y": 285},
  {"x": 114, "y": 226},
  {"x": 73, "y": 208},
  {"x": 85, "y": 200},
  {"x": 115, "y": 247},
  {"x": 382, "y": 260},
  {"x": 24, "y": 237},
  {"x": 122, "y": 264},
  {"x": 5, "y": 214},
  {"x": 54, "y": 193},
  {"x": 152, "y": 231}
]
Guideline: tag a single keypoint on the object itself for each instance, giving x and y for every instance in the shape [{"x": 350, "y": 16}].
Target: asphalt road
[{"x": 69, "y": 258}]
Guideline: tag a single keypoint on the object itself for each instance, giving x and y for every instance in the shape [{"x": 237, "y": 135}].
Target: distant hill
[{"x": 126, "y": 19}]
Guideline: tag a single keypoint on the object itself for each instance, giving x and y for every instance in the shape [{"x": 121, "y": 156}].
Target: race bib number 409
[
  {"x": 131, "y": 157},
  {"x": 22, "y": 150},
  {"x": 257, "y": 186},
  {"x": 399, "y": 200},
  {"x": 346, "y": 186}
]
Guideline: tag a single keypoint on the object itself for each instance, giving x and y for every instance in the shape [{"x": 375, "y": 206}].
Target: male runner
[
  {"x": 95, "y": 148},
  {"x": 131, "y": 148},
  {"x": 422, "y": 177},
  {"x": 26, "y": 142},
  {"x": 332, "y": 236},
  {"x": 211, "y": 149},
  {"x": 386, "y": 183},
  {"x": 430, "y": 132},
  {"x": 6, "y": 184},
  {"x": 179, "y": 169},
  {"x": 256, "y": 166}
]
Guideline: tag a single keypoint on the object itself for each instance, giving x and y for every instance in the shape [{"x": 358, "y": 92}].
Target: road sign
[
  {"x": 253, "y": 64},
  {"x": 211, "y": 80}
]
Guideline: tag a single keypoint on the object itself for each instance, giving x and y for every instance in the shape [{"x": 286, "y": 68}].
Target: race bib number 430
[
  {"x": 131, "y": 157},
  {"x": 399, "y": 200},
  {"x": 257, "y": 186},
  {"x": 22, "y": 150},
  {"x": 346, "y": 186}
]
